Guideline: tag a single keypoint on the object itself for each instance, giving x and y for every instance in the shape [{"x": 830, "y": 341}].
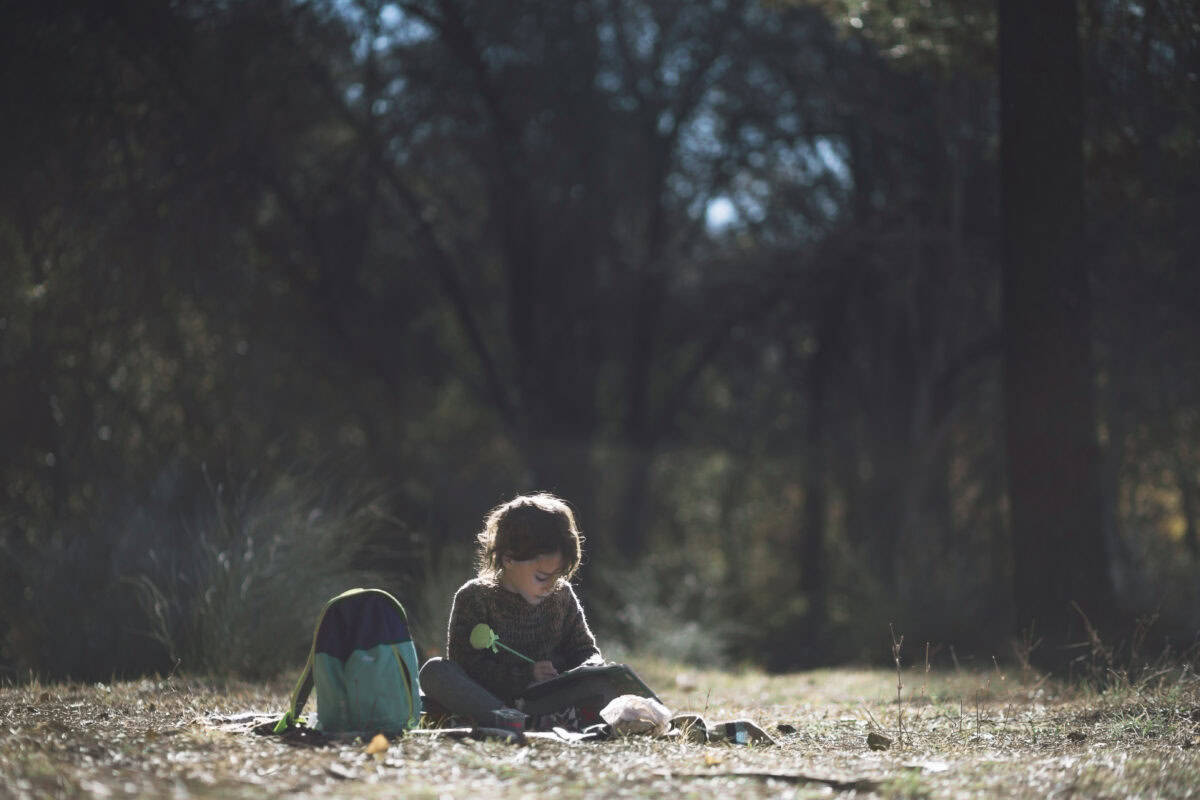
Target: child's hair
[{"x": 526, "y": 527}]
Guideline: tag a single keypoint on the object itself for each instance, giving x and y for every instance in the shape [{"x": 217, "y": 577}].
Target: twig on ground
[
  {"x": 925, "y": 681},
  {"x": 896, "y": 644},
  {"x": 858, "y": 785},
  {"x": 873, "y": 723}
]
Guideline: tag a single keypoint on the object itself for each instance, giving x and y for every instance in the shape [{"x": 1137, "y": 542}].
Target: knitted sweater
[{"x": 554, "y": 630}]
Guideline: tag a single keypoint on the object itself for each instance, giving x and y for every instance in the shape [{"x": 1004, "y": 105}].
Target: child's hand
[{"x": 543, "y": 671}]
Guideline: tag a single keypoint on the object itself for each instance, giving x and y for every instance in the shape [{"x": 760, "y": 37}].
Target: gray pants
[{"x": 448, "y": 684}]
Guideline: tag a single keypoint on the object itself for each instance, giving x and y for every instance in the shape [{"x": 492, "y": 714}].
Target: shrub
[
  {"x": 192, "y": 575},
  {"x": 243, "y": 593},
  {"x": 675, "y": 613}
]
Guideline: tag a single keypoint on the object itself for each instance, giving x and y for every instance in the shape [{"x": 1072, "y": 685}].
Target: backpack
[{"x": 364, "y": 665}]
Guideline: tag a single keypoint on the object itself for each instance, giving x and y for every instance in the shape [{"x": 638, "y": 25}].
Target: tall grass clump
[
  {"x": 237, "y": 589},
  {"x": 656, "y": 608}
]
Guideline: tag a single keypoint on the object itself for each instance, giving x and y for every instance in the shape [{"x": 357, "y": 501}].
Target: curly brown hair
[{"x": 526, "y": 527}]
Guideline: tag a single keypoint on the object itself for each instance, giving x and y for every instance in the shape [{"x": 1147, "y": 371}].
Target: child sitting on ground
[{"x": 529, "y": 550}]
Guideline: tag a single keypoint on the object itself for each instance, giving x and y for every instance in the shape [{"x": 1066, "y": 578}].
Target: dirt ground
[{"x": 955, "y": 734}]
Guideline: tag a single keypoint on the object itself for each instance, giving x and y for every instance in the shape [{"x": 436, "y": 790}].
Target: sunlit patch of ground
[{"x": 964, "y": 735}]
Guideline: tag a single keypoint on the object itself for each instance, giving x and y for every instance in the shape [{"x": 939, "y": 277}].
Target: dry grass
[{"x": 966, "y": 735}]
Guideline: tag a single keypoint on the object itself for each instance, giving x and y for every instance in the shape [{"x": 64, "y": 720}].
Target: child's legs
[{"x": 448, "y": 684}]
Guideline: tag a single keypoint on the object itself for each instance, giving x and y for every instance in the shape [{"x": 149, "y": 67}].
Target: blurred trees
[{"x": 724, "y": 275}]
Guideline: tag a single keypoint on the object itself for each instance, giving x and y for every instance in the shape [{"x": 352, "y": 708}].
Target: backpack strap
[
  {"x": 299, "y": 698},
  {"x": 305, "y": 684}
]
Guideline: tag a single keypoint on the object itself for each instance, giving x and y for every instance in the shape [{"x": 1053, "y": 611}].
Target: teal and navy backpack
[{"x": 364, "y": 665}]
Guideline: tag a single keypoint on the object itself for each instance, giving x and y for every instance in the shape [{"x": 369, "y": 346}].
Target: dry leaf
[
  {"x": 378, "y": 747},
  {"x": 711, "y": 759}
]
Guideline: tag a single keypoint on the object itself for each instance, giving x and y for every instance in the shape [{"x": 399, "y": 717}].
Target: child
[{"x": 529, "y": 549}]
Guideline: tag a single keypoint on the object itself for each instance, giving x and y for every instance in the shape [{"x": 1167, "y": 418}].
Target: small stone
[
  {"x": 341, "y": 772},
  {"x": 877, "y": 741},
  {"x": 1076, "y": 736}
]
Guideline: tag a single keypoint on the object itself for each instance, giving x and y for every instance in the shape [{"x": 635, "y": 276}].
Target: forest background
[{"x": 292, "y": 293}]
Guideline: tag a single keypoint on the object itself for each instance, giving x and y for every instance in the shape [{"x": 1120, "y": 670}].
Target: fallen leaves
[{"x": 378, "y": 747}]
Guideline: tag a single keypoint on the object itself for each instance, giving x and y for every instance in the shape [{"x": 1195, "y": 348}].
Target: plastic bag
[{"x": 630, "y": 714}]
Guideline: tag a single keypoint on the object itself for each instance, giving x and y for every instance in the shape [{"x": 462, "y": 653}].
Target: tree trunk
[
  {"x": 814, "y": 561},
  {"x": 629, "y": 539},
  {"x": 1053, "y": 468}
]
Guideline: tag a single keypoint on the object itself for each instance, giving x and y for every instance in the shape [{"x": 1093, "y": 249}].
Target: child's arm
[
  {"x": 500, "y": 673},
  {"x": 577, "y": 645}
]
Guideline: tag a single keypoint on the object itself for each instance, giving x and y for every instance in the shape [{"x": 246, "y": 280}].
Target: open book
[{"x": 590, "y": 685}]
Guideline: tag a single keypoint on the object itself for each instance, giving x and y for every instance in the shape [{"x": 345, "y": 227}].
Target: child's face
[{"x": 533, "y": 579}]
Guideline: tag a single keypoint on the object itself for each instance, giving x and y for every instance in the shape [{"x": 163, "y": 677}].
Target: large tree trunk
[{"x": 1053, "y": 466}]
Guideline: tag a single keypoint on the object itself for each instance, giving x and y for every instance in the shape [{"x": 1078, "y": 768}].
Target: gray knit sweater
[{"x": 554, "y": 630}]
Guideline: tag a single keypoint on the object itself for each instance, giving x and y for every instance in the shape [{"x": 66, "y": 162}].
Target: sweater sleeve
[
  {"x": 503, "y": 677},
  {"x": 577, "y": 645}
]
